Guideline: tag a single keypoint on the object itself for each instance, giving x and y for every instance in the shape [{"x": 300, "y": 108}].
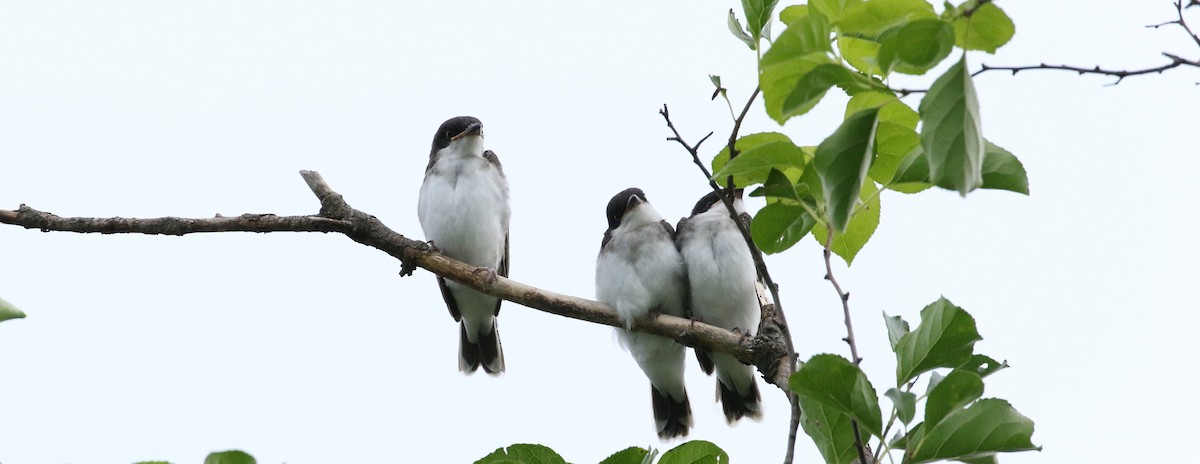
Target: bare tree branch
[
  {"x": 1120, "y": 74},
  {"x": 1176, "y": 61},
  {"x": 338, "y": 217}
]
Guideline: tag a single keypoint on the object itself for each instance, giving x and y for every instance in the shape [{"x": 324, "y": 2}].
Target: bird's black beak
[
  {"x": 634, "y": 200},
  {"x": 473, "y": 129}
]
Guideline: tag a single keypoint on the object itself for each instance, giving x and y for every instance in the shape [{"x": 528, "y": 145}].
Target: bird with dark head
[
  {"x": 464, "y": 212},
  {"x": 721, "y": 285},
  {"x": 639, "y": 272}
]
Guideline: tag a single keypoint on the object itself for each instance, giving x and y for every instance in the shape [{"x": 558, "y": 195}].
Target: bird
[
  {"x": 464, "y": 212},
  {"x": 722, "y": 277},
  {"x": 639, "y": 273}
]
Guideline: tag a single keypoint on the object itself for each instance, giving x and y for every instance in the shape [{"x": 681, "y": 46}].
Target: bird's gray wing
[
  {"x": 679, "y": 231},
  {"x": 432, "y": 160},
  {"x": 502, "y": 270},
  {"x": 667, "y": 227},
  {"x": 451, "y": 304},
  {"x": 491, "y": 157}
]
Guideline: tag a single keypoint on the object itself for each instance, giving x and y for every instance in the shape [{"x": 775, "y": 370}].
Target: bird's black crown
[
  {"x": 451, "y": 128},
  {"x": 618, "y": 204}
]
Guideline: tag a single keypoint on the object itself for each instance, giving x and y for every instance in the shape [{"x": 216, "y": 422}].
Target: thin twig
[
  {"x": 842, "y": 295},
  {"x": 1183, "y": 22},
  {"x": 845, "y": 297}
]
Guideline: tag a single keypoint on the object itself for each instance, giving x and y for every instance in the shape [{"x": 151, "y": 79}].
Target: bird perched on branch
[
  {"x": 722, "y": 278},
  {"x": 639, "y": 272},
  {"x": 464, "y": 212}
]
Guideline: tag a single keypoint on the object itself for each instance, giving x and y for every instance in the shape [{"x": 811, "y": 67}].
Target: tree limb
[
  {"x": 1120, "y": 74},
  {"x": 337, "y": 216}
]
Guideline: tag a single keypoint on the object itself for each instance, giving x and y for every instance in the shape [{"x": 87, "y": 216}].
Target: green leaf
[
  {"x": 806, "y": 35},
  {"x": 833, "y": 9},
  {"x": 1002, "y": 170},
  {"x": 945, "y": 337},
  {"x": 893, "y": 142},
  {"x": 862, "y": 226},
  {"x": 837, "y": 383},
  {"x": 753, "y": 165},
  {"x": 906, "y": 404},
  {"x": 793, "y": 82},
  {"x": 229, "y": 457},
  {"x": 952, "y": 135},
  {"x": 891, "y": 109},
  {"x": 524, "y": 454},
  {"x": 912, "y": 175},
  {"x": 8, "y": 311},
  {"x": 744, "y": 144},
  {"x": 695, "y": 452},
  {"x": 983, "y": 365},
  {"x": 830, "y": 429},
  {"x": 896, "y": 327},
  {"x": 987, "y": 29},
  {"x": 778, "y": 185},
  {"x": 793, "y": 13},
  {"x": 862, "y": 54},
  {"x": 896, "y": 135},
  {"x": 987, "y": 427},
  {"x": 758, "y": 16},
  {"x": 630, "y": 455},
  {"x": 842, "y": 161},
  {"x": 778, "y": 226},
  {"x": 735, "y": 27},
  {"x": 934, "y": 379},
  {"x": 917, "y": 46},
  {"x": 872, "y": 18},
  {"x": 955, "y": 391}
]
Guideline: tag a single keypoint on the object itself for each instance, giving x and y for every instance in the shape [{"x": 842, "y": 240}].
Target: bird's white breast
[
  {"x": 639, "y": 270},
  {"x": 463, "y": 209},
  {"x": 720, "y": 272}
]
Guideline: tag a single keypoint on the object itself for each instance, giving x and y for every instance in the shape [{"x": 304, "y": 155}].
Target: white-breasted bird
[
  {"x": 722, "y": 278},
  {"x": 464, "y": 212},
  {"x": 639, "y": 272}
]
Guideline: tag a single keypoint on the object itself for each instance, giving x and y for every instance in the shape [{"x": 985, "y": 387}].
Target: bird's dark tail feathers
[
  {"x": 487, "y": 353},
  {"x": 737, "y": 406},
  {"x": 672, "y": 418}
]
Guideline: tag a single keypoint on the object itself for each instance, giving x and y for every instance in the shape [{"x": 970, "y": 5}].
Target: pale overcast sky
[{"x": 308, "y": 348}]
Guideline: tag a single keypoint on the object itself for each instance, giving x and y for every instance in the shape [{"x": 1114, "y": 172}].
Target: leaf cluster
[
  {"x": 882, "y": 143},
  {"x": 958, "y": 423}
]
